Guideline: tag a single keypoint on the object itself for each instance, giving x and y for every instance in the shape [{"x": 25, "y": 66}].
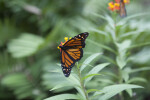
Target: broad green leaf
[
  {"x": 130, "y": 33},
  {"x": 90, "y": 75},
  {"x": 142, "y": 56},
  {"x": 26, "y": 45},
  {"x": 123, "y": 46},
  {"x": 112, "y": 90},
  {"x": 106, "y": 81},
  {"x": 60, "y": 86},
  {"x": 137, "y": 79},
  {"x": 122, "y": 49},
  {"x": 110, "y": 21},
  {"x": 102, "y": 46},
  {"x": 123, "y": 21},
  {"x": 125, "y": 75},
  {"x": 109, "y": 59},
  {"x": 120, "y": 61},
  {"x": 140, "y": 69},
  {"x": 19, "y": 83},
  {"x": 92, "y": 90},
  {"x": 80, "y": 91},
  {"x": 63, "y": 97},
  {"x": 95, "y": 70},
  {"x": 10, "y": 80},
  {"x": 139, "y": 45},
  {"x": 74, "y": 80},
  {"x": 130, "y": 92},
  {"x": 100, "y": 16},
  {"x": 99, "y": 31},
  {"x": 88, "y": 60}
]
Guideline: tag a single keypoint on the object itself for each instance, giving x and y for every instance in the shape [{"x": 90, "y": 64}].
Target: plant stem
[
  {"x": 120, "y": 81},
  {"x": 82, "y": 84}
]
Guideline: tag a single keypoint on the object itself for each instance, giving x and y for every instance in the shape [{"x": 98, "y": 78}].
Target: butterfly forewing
[{"x": 77, "y": 41}]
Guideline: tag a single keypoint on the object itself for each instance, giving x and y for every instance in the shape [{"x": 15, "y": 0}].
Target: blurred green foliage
[{"x": 30, "y": 32}]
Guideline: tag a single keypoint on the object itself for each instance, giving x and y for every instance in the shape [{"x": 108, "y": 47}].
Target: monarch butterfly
[
  {"x": 122, "y": 9},
  {"x": 71, "y": 52}
]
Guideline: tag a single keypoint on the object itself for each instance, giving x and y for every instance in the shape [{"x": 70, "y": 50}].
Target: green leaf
[
  {"x": 120, "y": 61},
  {"x": 110, "y": 21},
  {"x": 60, "y": 86},
  {"x": 112, "y": 90},
  {"x": 137, "y": 79},
  {"x": 26, "y": 45},
  {"x": 140, "y": 69},
  {"x": 10, "y": 80},
  {"x": 81, "y": 92},
  {"x": 124, "y": 20},
  {"x": 130, "y": 92},
  {"x": 88, "y": 60},
  {"x": 22, "y": 88},
  {"x": 139, "y": 45},
  {"x": 99, "y": 31},
  {"x": 102, "y": 46},
  {"x": 100, "y": 16},
  {"x": 109, "y": 59},
  {"x": 125, "y": 75},
  {"x": 130, "y": 33},
  {"x": 141, "y": 57},
  {"x": 74, "y": 80},
  {"x": 95, "y": 70},
  {"x": 90, "y": 75},
  {"x": 92, "y": 90},
  {"x": 122, "y": 49},
  {"x": 63, "y": 97},
  {"x": 106, "y": 81}
]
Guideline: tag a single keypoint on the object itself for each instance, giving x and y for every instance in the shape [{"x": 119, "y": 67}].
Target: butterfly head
[{"x": 86, "y": 34}]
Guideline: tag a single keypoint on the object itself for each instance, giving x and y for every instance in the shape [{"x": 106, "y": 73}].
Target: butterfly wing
[
  {"x": 72, "y": 52},
  {"x": 122, "y": 9},
  {"x": 68, "y": 59},
  {"x": 77, "y": 41}
]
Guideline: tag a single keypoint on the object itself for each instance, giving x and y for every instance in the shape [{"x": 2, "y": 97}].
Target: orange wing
[
  {"x": 77, "y": 41},
  {"x": 68, "y": 59},
  {"x": 76, "y": 54}
]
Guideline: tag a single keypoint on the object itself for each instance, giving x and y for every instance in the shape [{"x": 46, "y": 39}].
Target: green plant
[
  {"x": 30, "y": 32},
  {"x": 121, "y": 77}
]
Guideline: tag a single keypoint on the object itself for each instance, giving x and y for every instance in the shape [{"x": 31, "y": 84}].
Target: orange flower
[
  {"x": 117, "y": 1},
  {"x": 116, "y": 6},
  {"x": 113, "y": 6},
  {"x": 125, "y": 1}
]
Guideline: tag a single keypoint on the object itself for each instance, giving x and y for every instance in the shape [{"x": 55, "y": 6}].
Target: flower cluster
[{"x": 115, "y": 6}]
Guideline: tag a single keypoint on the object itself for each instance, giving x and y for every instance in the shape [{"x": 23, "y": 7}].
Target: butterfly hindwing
[
  {"x": 76, "y": 54},
  {"x": 66, "y": 63},
  {"x": 68, "y": 59}
]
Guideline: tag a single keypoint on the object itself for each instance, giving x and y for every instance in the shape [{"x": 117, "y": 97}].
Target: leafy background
[{"x": 30, "y": 32}]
